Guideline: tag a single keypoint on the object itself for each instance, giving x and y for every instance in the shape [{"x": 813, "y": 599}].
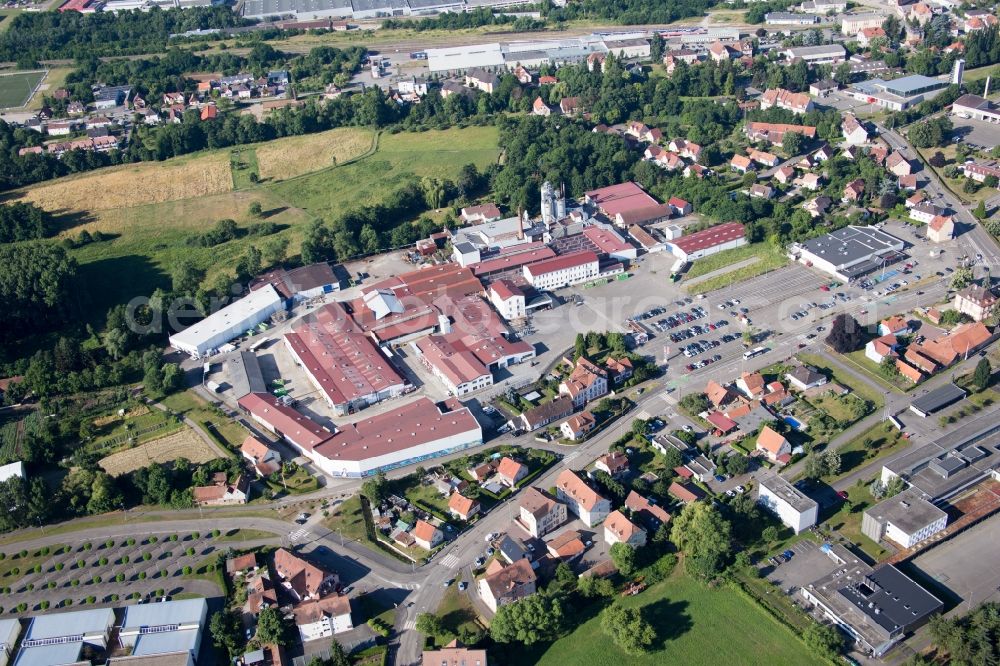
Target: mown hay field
[
  {"x": 183, "y": 444},
  {"x": 135, "y": 185},
  {"x": 296, "y": 155}
]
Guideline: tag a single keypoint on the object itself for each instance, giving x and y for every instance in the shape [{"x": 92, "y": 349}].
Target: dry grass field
[
  {"x": 183, "y": 444},
  {"x": 136, "y": 184},
  {"x": 294, "y": 156}
]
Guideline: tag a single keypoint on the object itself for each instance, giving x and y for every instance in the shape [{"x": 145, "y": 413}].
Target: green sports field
[{"x": 16, "y": 89}]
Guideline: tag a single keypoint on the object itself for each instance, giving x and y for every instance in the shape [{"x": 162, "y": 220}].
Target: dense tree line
[
  {"x": 23, "y": 221},
  {"x": 629, "y": 12},
  {"x": 54, "y": 35},
  {"x": 463, "y": 20},
  {"x": 38, "y": 288},
  {"x": 973, "y": 638}
]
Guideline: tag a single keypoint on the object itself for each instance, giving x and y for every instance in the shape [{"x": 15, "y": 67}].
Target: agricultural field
[
  {"x": 183, "y": 444},
  {"x": 140, "y": 423},
  {"x": 16, "y": 88},
  {"x": 696, "y": 625},
  {"x": 150, "y": 210},
  {"x": 136, "y": 185},
  {"x": 13, "y": 427},
  {"x": 224, "y": 430},
  {"x": 294, "y": 156}
]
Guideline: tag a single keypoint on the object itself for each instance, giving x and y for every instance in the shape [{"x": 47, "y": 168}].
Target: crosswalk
[
  {"x": 410, "y": 625},
  {"x": 299, "y": 534},
  {"x": 450, "y": 560}
]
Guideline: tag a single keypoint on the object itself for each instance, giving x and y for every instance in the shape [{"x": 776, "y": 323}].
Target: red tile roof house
[
  {"x": 620, "y": 368},
  {"x": 741, "y": 163},
  {"x": 894, "y": 325},
  {"x": 426, "y": 535},
  {"x": 909, "y": 372},
  {"x": 508, "y": 585},
  {"x": 685, "y": 492},
  {"x": 876, "y": 350},
  {"x": 261, "y": 457},
  {"x": 619, "y": 529},
  {"x": 751, "y": 384},
  {"x": 483, "y": 471},
  {"x": 578, "y": 425},
  {"x": 462, "y": 507},
  {"x": 854, "y": 190},
  {"x": 772, "y": 444},
  {"x": 587, "y": 382},
  {"x": 301, "y": 579},
  {"x": 566, "y": 546},
  {"x": 241, "y": 564},
  {"x": 614, "y": 463},
  {"x": 718, "y": 394},
  {"x": 581, "y": 500},
  {"x": 510, "y": 472},
  {"x": 322, "y": 618},
  {"x": 540, "y": 513},
  {"x": 644, "y": 510},
  {"x": 679, "y": 206},
  {"x": 222, "y": 493}
]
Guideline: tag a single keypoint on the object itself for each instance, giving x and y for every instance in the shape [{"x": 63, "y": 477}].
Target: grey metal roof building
[
  {"x": 243, "y": 373},
  {"x": 937, "y": 400},
  {"x": 850, "y": 252},
  {"x": 300, "y": 8},
  {"x": 877, "y": 607},
  {"x": 952, "y": 464}
]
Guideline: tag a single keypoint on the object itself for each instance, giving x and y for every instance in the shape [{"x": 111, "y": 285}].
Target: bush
[
  {"x": 146, "y": 557},
  {"x": 75, "y": 582},
  {"x": 80, "y": 564},
  {"x": 86, "y": 546},
  {"x": 59, "y": 566},
  {"x": 189, "y": 552},
  {"x": 21, "y": 607},
  {"x": 103, "y": 561},
  {"x": 120, "y": 578},
  {"x": 130, "y": 542},
  {"x": 96, "y": 580},
  {"x": 91, "y": 599},
  {"x": 196, "y": 535},
  {"x": 142, "y": 575},
  {"x": 44, "y": 605},
  {"x": 109, "y": 544},
  {"x": 186, "y": 571},
  {"x": 216, "y": 533},
  {"x": 173, "y": 537},
  {"x": 114, "y": 597},
  {"x": 44, "y": 551},
  {"x": 153, "y": 539}
]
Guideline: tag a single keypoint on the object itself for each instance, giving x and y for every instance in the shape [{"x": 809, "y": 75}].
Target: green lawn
[
  {"x": 862, "y": 363},
  {"x": 243, "y": 162},
  {"x": 16, "y": 88},
  {"x": 769, "y": 260},
  {"x": 695, "y": 625},
  {"x": 347, "y": 520},
  {"x": 220, "y": 427},
  {"x": 456, "y": 611},
  {"x": 763, "y": 252},
  {"x": 400, "y": 159},
  {"x": 860, "y": 389},
  {"x": 301, "y": 481},
  {"x": 151, "y": 425},
  {"x": 846, "y": 409},
  {"x": 847, "y": 520},
  {"x": 885, "y": 438}
]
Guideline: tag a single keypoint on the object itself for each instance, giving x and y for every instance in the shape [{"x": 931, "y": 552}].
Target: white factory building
[
  {"x": 230, "y": 322},
  {"x": 164, "y": 628},
  {"x": 787, "y": 502},
  {"x": 906, "y": 519},
  {"x": 563, "y": 271},
  {"x": 535, "y": 53}
]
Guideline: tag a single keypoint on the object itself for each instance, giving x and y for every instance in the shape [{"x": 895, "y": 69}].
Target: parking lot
[
  {"x": 807, "y": 564},
  {"x": 966, "y": 565},
  {"x": 976, "y": 133}
]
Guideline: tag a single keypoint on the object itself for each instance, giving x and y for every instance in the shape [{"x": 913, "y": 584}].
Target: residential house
[
  {"x": 894, "y": 325},
  {"x": 540, "y": 108},
  {"x": 482, "y": 79},
  {"x": 898, "y": 165},
  {"x": 523, "y": 76},
  {"x": 908, "y": 183},
  {"x": 303, "y": 580},
  {"x": 221, "y": 492},
  {"x": 620, "y": 368},
  {"x": 976, "y": 301},
  {"x": 876, "y": 350},
  {"x": 426, "y": 535},
  {"x": 865, "y": 36},
  {"x": 818, "y": 206},
  {"x": 645, "y": 511},
  {"x": 809, "y": 181},
  {"x": 685, "y": 148},
  {"x": 751, "y": 384},
  {"x": 720, "y": 52},
  {"x": 914, "y": 375},
  {"x": 701, "y": 468},
  {"x": 509, "y": 584},
  {"x": 578, "y": 425},
  {"x": 685, "y": 492},
  {"x": 915, "y": 200},
  {"x": 483, "y": 471},
  {"x": 619, "y": 529},
  {"x": 539, "y": 513},
  {"x": 596, "y": 61},
  {"x": 462, "y": 507},
  {"x": 784, "y": 175},
  {"x": 513, "y": 548},
  {"x": 679, "y": 206},
  {"x": 759, "y": 191},
  {"x": 763, "y": 158},
  {"x": 581, "y": 500},
  {"x": 569, "y": 106},
  {"x": 916, "y": 359},
  {"x": 587, "y": 382},
  {"x": 741, "y": 163},
  {"x": 805, "y": 377},
  {"x": 854, "y": 190},
  {"x": 264, "y": 460},
  {"x": 510, "y": 472},
  {"x": 823, "y": 87},
  {"x": 322, "y": 618},
  {"x": 823, "y": 153},
  {"x": 454, "y": 653},
  {"x": 541, "y": 416},
  {"x": 773, "y": 444},
  {"x": 786, "y": 99},
  {"x": 614, "y": 463},
  {"x": 958, "y": 344},
  {"x": 925, "y": 212},
  {"x": 718, "y": 394},
  {"x": 854, "y": 132},
  {"x": 566, "y": 546}
]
